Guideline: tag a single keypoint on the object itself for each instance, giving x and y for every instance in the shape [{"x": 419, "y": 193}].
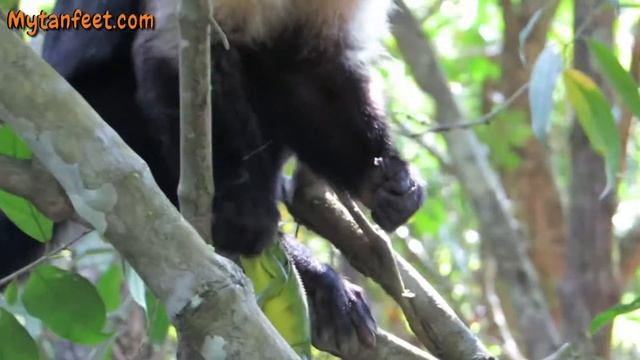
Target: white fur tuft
[
  {"x": 356, "y": 23},
  {"x": 368, "y": 25},
  {"x": 251, "y": 20},
  {"x": 360, "y": 22}
]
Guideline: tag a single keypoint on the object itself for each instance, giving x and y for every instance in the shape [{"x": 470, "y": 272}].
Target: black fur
[
  {"x": 16, "y": 248},
  {"x": 339, "y": 312}
]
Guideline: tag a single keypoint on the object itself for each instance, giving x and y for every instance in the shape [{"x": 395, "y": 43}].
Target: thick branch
[
  {"x": 195, "y": 190},
  {"x": 313, "y": 204},
  {"x": 27, "y": 178},
  {"x": 210, "y": 301},
  {"x": 497, "y": 224},
  {"x": 389, "y": 346}
]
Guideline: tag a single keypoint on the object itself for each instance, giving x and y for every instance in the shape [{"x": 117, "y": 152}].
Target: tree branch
[
  {"x": 195, "y": 191},
  {"x": 435, "y": 324},
  {"x": 27, "y": 178},
  {"x": 388, "y": 346},
  {"x": 208, "y": 298}
]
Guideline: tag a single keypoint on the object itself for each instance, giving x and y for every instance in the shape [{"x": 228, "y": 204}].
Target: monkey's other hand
[
  {"x": 394, "y": 193},
  {"x": 340, "y": 317}
]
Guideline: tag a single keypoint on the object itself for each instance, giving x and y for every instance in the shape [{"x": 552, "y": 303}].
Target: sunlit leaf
[
  {"x": 596, "y": 119},
  {"x": 620, "y": 79},
  {"x": 544, "y": 77},
  {"x": 15, "y": 341},
  {"x": 608, "y": 315},
  {"x": 109, "y": 286},
  {"x": 67, "y": 303}
]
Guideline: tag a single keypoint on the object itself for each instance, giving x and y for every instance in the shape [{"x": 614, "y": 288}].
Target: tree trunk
[
  {"x": 589, "y": 285},
  {"x": 531, "y": 185}
]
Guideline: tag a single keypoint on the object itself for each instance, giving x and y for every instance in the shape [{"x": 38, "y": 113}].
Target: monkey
[{"x": 295, "y": 81}]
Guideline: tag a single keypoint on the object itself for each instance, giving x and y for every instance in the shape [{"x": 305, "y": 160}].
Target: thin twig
[
  {"x": 196, "y": 187},
  {"x": 583, "y": 26},
  {"x": 444, "y": 163},
  {"x": 484, "y": 119},
  {"x": 497, "y": 313},
  {"x": 5, "y": 280},
  {"x": 217, "y": 34}
]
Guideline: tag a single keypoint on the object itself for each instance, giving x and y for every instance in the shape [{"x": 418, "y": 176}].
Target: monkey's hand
[
  {"x": 340, "y": 317},
  {"x": 392, "y": 192}
]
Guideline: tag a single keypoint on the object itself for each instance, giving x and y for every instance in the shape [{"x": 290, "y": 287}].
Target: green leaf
[
  {"x": 26, "y": 216},
  {"x": 12, "y": 145},
  {"x": 280, "y": 296},
  {"x": 109, "y": 286},
  {"x": 67, "y": 303},
  {"x": 608, "y": 315},
  {"x": 596, "y": 119},
  {"x": 159, "y": 322},
  {"x": 618, "y": 77},
  {"x": 11, "y": 293},
  {"x": 544, "y": 77},
  {"x": 15, "y": 341}
]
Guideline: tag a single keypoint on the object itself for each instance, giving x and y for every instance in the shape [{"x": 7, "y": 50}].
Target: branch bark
[
  {"x": 27, "y": 178},
  {"x": 209, "y": 299},
  {"x": 516, "y": 274},
  {"x": 195, "y": 190},
  {"x": 388, "y": 346},
  {"x": 435, "y": 324}
]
